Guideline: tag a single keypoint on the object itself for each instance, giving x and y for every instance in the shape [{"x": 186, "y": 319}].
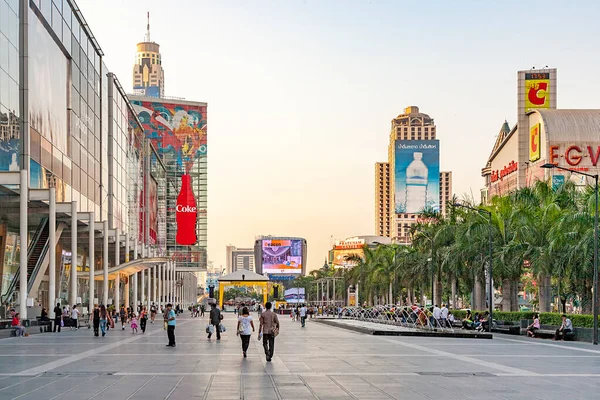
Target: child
[{"x": 134, "y": 325}]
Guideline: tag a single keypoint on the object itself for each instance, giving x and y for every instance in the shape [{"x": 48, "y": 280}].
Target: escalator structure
[{"x": 36, "y": 255}]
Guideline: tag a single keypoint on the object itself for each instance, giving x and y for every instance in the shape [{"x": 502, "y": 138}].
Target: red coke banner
[{"x": 186, "y": 213}]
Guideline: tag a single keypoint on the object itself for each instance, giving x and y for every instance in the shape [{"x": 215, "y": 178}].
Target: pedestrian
[
  {"x": 104, "y": 319},
  {"x": 303, "y": 315},
  {"x": 123, "y": 317},
  {"x": 215, "y": 320},
  {"x": 57, "y": 317},
  {"x": 268, "y": 328},
  {"x": 134, "y": 324},
  {"x": 444, "y": 316},
  {"x": 17, "y": 325},
  {"x": 202, "y": 309},
  {"x": 75, "y": 318},
  {"x": 96, "y": 319},
  {"x": 435, "y": 318},
  {"x": 143, "y": 319},
  {"x": 152, "y": 313},
  {"x": 243, "y": 329},
  {"x": 171, "y": 322}
]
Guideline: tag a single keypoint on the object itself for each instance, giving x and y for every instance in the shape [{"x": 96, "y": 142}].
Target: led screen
[
  {"x": 295, "y": 295},
  {"x": 282, "y": 256}
]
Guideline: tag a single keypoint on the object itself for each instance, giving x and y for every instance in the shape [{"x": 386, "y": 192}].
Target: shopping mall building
[
  {"x": 543, "y": 134},
  {"x": 83, "y": 191}
]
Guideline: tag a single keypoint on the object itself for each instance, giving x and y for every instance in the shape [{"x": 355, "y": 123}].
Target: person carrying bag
[{"x": 215, "y": 320}]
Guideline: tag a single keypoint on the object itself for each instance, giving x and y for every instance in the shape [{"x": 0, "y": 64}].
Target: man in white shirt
[
  {"x": 75, "y": 318},
  {"x": 444, "y": 316},
  {"x": 437, "y": 314},
  {"x": 303, "y": 314}
]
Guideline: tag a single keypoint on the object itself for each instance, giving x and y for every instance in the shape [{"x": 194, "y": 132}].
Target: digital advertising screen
[
  {"x": 282, "y": 256},
  {"x": 417, "y": 176},
  {"x": 295, "y": 295}
]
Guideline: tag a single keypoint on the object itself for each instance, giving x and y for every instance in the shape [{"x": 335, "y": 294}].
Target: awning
[{"x": 125, "y": 269}]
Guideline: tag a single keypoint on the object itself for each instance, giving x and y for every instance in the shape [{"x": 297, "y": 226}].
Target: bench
[
  {"x": 549, "y": 332},
  {"x": 507, "y": 327}
]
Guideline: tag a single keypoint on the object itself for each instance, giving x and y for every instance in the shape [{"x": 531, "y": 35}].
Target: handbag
[
  {"x": 62, "y": 323},
  {"x": 275, "y": 332},
  {"x": 208, "y": 328},
  {"x": 165, "y": 324},
  {"x": 222, "y": 328}
]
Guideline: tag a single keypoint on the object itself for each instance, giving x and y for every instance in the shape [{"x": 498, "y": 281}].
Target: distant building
[
  {"x": 148, "y": 73},
  {"x": 242, "y": 258},
  {"x": 412, "y": 134}
]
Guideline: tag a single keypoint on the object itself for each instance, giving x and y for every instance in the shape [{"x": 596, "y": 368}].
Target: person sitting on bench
[
  {"x": 531, "y": 329},
  {"x": 565, "y": 328},
  {"x": 16, "y": 325}
]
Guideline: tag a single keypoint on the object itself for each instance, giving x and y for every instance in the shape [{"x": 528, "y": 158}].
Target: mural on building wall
[{"x": 178, "y": 131}]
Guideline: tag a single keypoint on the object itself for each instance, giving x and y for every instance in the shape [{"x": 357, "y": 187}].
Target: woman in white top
[
  {"x": 243, "y": 328},
  {"x": 74, "y": 317}
]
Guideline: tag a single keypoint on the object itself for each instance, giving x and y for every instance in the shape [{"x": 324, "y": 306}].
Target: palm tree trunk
[
  {"x": 514, "y": 296},
  {"x": 438, "y": 290},
  {"x": 453, "y": 291},
  {"x": 391, "y": 297},
  {"x": 586, "y": 298},
  {"x": 544, "y": 292},
  {"x": 506, "y": 295}
]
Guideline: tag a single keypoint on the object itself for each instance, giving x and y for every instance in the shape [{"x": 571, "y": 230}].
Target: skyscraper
[
  {"x": 412, "y": 140},
  {"x": 238, "y": 258},
  {"x": 148, "y": 73}
]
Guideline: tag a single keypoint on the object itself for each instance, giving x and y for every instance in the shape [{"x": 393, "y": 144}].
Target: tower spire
[{"x": 148, "y": 28}]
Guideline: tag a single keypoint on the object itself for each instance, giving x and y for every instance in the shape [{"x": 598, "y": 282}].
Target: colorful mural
[{"x": 177, "y": 130}]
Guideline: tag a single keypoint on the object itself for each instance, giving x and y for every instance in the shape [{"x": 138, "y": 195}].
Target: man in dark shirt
[
  {"x": 269, "y": 327},
  {"x": 215, "y": 320},
  {"x": 57, "y": 317}
]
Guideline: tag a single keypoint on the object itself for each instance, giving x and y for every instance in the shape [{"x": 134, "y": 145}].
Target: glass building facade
[{"x": 79, "y": 137}]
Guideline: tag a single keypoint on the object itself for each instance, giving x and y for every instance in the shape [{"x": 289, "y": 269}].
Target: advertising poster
[
  {"x": 152, "y": 208},
  {"x": 295, "y": 295},
  {"x": 534, "y": 143},
  {"x": 282, "y": 256},
  {"x": 177, "y": 131},
  {"x": 417, "y": 176},
  {"x": 537, "y": 90}
]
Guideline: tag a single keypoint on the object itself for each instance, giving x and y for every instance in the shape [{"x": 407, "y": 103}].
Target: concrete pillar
[
  {"x": 160, "y": 280},
  {"x": 23, "y": 237},
  {"x": 52, "y": 251},
  {"x": 150, "y": 276},
  {"x": 117, "y": 262},
  {"x": 73, "y": 284},
  {"x": 91, "y": 261},
  {"x": 105, "y": 263},
  {"x": 154, "y": 285},
  {"x": 126, "y": 294}
]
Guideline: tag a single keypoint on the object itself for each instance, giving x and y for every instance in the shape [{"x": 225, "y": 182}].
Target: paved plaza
[{"x": 317, "y": 362}]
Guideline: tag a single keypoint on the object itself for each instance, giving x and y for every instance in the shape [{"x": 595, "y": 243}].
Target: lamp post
[
  {"x": 490, "y": 250},
  {"x": 595, "y": 296}
]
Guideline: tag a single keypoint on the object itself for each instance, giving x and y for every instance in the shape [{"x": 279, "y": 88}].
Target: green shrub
[{"x": 578, "y": 320}]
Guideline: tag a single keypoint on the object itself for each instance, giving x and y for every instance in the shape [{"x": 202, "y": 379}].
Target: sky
[{"x": 301, "y": 94}]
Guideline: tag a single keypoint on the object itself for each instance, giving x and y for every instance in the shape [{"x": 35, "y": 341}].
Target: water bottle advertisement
[{"x": 417, "y": 176}]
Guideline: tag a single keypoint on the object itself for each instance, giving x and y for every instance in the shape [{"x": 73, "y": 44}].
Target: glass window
[
  {"x": 4, "y": 16},
  {"x": 46, "y": 9},
  {"x": 13, "y": 29},
  {"x": 4, "y": 50},
  {"x": 67, "y": 13},
  {"x": 66, "y": 36},
  {"x": 57, "y": 22}
]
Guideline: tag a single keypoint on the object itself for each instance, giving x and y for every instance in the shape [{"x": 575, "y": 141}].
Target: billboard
[
  {"x": 281, "y": 256},
  {"x": 152, "y": 209},
  {"x": 345, "y": 248},
  {"x": 177, "y": 129},
  {"x": 534, "y": 142},
  {"x": 295, "y": 295},
  {"x": 537, "y": 90},
  {"x": 417, "y": 176}
]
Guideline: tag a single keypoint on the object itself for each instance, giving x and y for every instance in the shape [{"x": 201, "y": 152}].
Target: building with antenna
[{"x": 148, "y": 73}]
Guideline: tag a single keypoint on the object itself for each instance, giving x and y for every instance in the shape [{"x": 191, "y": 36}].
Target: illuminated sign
[
  {"x": 282, "y": 256},
  {"x": 349, "y": 244},
  {"x": 504, "y": 172},
  {"x": 534, "y": 142},
  {"x": 574, "y": 154},
  {"x": 537, "y": 90},
  {"x": 186, "y": 215}
]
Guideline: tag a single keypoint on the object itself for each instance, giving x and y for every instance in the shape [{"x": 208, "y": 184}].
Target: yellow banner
[
  {"x": 537, "y": 93},
  {"x": 534, "y": 142}
]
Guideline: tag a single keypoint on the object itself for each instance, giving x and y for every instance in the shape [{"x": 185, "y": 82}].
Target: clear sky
[{"x": 301, "y": 93}]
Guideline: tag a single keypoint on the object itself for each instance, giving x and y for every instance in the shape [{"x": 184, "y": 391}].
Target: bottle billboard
[{"x": 417, "y": 176}]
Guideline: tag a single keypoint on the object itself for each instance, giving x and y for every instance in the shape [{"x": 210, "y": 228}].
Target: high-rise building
[
  {"x": 148, "y": 73},
  {"x": 410, "y": 181},
  {"x": 237, "y": 259}
]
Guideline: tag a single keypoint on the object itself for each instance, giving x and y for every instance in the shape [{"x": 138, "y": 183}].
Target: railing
[{"x": 404, "y": 316}]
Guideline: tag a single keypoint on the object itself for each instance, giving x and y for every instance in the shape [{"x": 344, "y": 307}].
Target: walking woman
[
  {"x": 143, "y": 319},
  {"x": 243, "y": 329},
  {"x": 104, "y": 319}
]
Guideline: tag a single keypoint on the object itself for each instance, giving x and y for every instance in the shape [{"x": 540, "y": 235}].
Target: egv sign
[{"x": 575, "y": 154}]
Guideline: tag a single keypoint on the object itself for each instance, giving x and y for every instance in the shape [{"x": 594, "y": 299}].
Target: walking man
[
  {"x": 57, "y": 317},
  {"x": 303, "y": 315},
  {"x": 170, "y": 325},
  {"x": 269, "y": 328},
  {"x": 215, "y": 320},
  {"x": 152, "y": 313}
]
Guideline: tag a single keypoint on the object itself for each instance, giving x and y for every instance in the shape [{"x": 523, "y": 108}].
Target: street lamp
[
  {"x": 595, "y": 297},
  {"x": 491, "y": 286}
]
